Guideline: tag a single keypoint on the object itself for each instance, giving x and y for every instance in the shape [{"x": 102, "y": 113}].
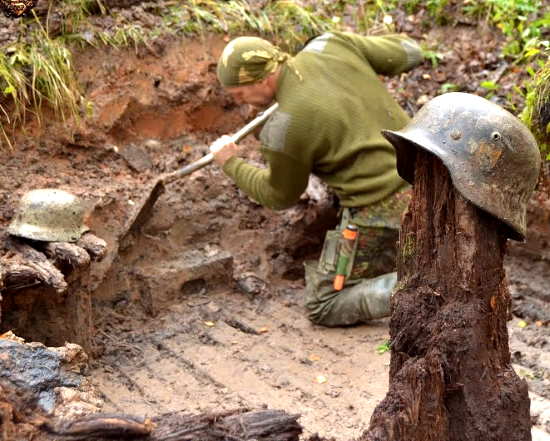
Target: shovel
[{"x": 141, "y": 215}]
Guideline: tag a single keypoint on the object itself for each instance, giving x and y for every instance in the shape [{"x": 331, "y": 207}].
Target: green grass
[
  {"x": 126, "y": 36},
  {"x": 34, "y": 75},
  {"x": 521, "y": 21},
  {"x": 14, "y": 84},
  {"x": 433, "y": 56},
  {"x": 38, "y": 71},
  {"x": 518, "y": 20},
  {"x": 284, "y": 21},
  {"x": 536, "y": 113},
  {"x": 383, "y": 347},
  {"x": 76, "y": 12}
]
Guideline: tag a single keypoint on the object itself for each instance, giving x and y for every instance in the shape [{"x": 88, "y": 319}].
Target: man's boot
[{"x": 360, "y": 301}]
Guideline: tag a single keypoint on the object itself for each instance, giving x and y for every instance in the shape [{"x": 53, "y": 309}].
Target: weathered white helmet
[{"x": 50, "y": 215}]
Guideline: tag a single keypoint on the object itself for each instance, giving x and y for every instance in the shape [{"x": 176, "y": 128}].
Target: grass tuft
[
  {"x": 37, "y": 69},
  {"x": 536, "y": 113},
  {"x": 35, "y": 74}
]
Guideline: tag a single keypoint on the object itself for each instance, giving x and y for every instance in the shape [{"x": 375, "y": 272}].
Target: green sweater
[{"x": 328, "y": 123}]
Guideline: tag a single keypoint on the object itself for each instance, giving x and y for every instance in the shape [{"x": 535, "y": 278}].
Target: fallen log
[
  {"x": 238, "y": 425},
  {"x": 102, "y": 426},
  {"x": 266, "y": 425}
]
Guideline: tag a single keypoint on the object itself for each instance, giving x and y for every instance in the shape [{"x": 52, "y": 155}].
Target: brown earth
[{"x": 202, "y": 309}]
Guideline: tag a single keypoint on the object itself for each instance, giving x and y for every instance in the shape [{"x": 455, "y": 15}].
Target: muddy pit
[{"x": 201, "y": 309}]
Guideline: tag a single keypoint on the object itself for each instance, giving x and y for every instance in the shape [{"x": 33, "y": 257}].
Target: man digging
[{"x": 332, "y": 108}]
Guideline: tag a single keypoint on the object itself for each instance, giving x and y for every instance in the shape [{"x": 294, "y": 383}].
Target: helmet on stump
[
  {"x": 492, "y": 158},
  {"x": 50, "y": 215}
]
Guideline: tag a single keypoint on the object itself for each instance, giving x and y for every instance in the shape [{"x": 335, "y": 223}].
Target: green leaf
[
  {"x": 384, "y": 347},
  {"x": 489, "y": 85},
  {"x": 449, "y": 87},
  {"x": 531, "y": 52}
]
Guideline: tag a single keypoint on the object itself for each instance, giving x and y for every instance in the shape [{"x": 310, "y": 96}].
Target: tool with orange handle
[{"x": 347, "y": 248}]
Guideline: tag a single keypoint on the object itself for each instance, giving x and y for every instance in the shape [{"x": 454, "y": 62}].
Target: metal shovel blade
[{"x": 145, "y": 207}]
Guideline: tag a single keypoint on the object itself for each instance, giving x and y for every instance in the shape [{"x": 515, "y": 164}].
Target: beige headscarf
[{"x": 247, "y": 60}]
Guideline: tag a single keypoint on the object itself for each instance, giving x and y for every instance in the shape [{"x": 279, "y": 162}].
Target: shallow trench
[{"x": 201, "y": 309}]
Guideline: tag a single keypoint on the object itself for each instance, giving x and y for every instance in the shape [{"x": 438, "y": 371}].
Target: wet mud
[{"x": 200, "y": 309}]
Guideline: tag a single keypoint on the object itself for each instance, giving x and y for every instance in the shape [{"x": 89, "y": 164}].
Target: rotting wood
[
  {"x": 20, "y": 276},
  {"x": 46, "y": 288},
  {"x": 103, "y": 425},
  {"x": 451, "y": 377},
  {"x": 237, "y": 324},
  {"x": 65, "y": 254},
  {"x": 235, "y": 425},
  {"x": 26, "y": 267},
  {"x": 95, "y": 246},
  {"x": 45, "y": 263},
  {"x": 241, "y": 425}
]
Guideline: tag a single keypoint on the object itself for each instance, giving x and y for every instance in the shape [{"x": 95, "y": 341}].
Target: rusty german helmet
[
  {"x": 493, "y": 159},
  {"x": 50, "y": 215}
]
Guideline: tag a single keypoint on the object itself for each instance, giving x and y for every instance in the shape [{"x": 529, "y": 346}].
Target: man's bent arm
[{"x": 277, "y": 187}]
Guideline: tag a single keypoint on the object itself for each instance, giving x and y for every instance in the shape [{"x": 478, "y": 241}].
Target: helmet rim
[
  {"x": 36, "y": 232},
  {"x": 406, "y": 138}
]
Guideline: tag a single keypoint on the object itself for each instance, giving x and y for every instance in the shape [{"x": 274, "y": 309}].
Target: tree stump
[
  {"x": 451, "y": 377},
  {"x": 45, "y": 289}
]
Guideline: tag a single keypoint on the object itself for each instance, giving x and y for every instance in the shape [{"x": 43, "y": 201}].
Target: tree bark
[
  {"x": 238, "y": 425},
  {"x": 451, "y": 377},
  {"x": 45, "y": 289}
]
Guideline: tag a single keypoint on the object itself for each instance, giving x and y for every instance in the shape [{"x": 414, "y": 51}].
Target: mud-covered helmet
[
  {"x": 493, "y": 159},
  {"x": 50, "y": 215}
]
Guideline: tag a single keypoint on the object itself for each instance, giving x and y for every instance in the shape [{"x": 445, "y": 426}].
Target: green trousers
[{"x": 372, "y": 278}]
